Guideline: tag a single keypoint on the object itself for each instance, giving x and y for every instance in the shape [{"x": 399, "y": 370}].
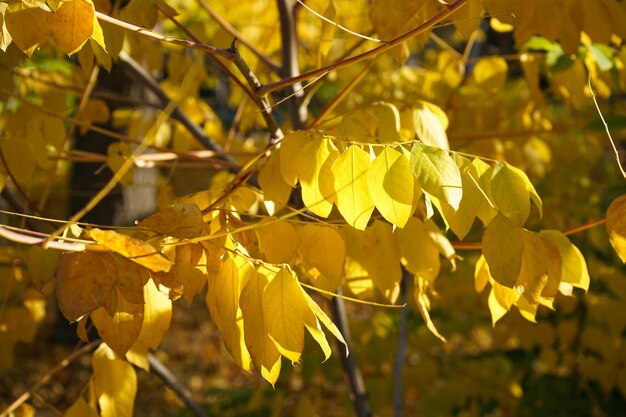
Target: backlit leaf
[
  {"x": 324, "y": 319},
  {"x": 616, "y": 226},
  {"x": 285, "y": 310},
  {"x": 278, "y": 241},
  {"x": 265, "y": 356},
  {"x": 381, "y": 259},
  {"x": 436, "y": 172},
  {"x": 290, "y": 147},
  {"x": 490, "y": 73},
  {"x": 84, "y": 280},
  {"x": 276, "y": 191},
  {"x": 430, "y": 125},
  {"x": 80, "y": 408},
  {"x": 574, "y": 268},
  {"x": 28, "y": 24},
  {"x": 388, "y": 118},
  {"x": 391, "y": 186},
  {"x": 115, "y": 383},
  {"x": 420, "y": 255},
  {"x": 423, "y": 306},
  {"x": 510, "y": 194},
  {"x": 316, "y": 177},
  {"x": 501, "y": 299},
  {"x": 533, "y": 275},
  {"x": 72, "y": 24},
  {"x": 134, "y": 249},
  {"x": 353, "y": 197},
  {"x": 503, "y": 247},
  {"x": 324, "y": 249}
]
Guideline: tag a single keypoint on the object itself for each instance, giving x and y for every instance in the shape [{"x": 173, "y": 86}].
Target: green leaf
[
  {"x": 437, "y": 174},
  {"x": 510, "y": 194}
]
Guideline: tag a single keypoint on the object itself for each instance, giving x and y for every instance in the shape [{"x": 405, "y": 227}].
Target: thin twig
[
  {"x": 212, "y": 50},
  {"x": 160, "y": 370},
  {"x": 606, "y": 127},
  {"x": 44, "y": 379},
  {"x": 429, "y": 24},
  {"x": 230, "y": 29}
]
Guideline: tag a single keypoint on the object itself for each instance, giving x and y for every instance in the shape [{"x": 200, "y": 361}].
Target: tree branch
[
  {"x": 358, "y": 392},
  {"x": 290, "y": 67},
  {"x": 160, "y": 370},
  {"x": 403, "y": 334},
  {"x": 429, "y": 24}
]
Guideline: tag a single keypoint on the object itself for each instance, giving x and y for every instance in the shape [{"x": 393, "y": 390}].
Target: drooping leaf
[
  {"x": 134, "y": 249},
  {"x": 391, "y": 186},
  {"x": 290, "y": 147},
  {"x": 350, "y": 182},
  {"x": 28, "y": 24},
  {"x": 278, "y": 240},
  {"x": 115, "y": 383},
  {"x": 388, "y": 118},
  {"x": 276, "y": 191},
  {"x": 223, "y": 301},
  {"x": 423, "y": 306},
  {"x": 436, "y": 172},
  {"x": 316, "y": 177},
  {"x": 121, "y": 330},
  {"x": 533, "y": 275},
  {"x": 501, "y": 299},
  {"x": 285, "y": 310},
  {"x": 324, "y": 319},
  {"x": 72, "y": 24},
  {"x": 131, "y": 278},
  {"x": 574, "y": 268},
  {"x": 265, "y": 356},
  {"x": 430, "y": 125},
  {"x": 381, "y": 259},
  {"x": 157, "y": 315},
  {"x": 419, "y": 254},
  {"x": 503, "y": 247},
  {"x": 510, "y": 194},
  {"x": 616, "y": 226},
  {"x": 84, "y": 281},
  {"x": 322, "y": 248}
]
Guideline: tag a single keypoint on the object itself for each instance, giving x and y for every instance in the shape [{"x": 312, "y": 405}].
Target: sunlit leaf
[
  {"x": 179, "y": 220},
  {"x": 350, "y": 182},
  {"x": 436, "y": 172},
  {"x": 503, "y": 247},
  {"x": 616, "y": 226},
  {"x": 115, "y": 383},
  {"x": 72, "y": 24},
  {"x": 316, "y": 177},
  {"x": 574, "y": 268}
]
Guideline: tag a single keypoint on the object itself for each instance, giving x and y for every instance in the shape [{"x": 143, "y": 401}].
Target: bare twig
[
  {"x": 160, "y": 370},
  {"x": 429, "y": 24},
  {"x": 44, "y": 379},
  {"x": 230, "y": 29},
  {"x": 606, "y": 127}
]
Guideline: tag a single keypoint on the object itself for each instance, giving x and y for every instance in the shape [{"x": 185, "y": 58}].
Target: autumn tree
[{"x": 315, "y": 167}]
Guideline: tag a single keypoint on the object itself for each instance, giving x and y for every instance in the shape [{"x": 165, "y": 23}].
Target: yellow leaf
[
  {"x": 121, "y": 330},
  {"x": 527, "y": 309},
  {"x": 97, "y": 35},
  {"x": 423, "y": 306},
  {"x": 28, "y": 24},
  {"x": 490, "y": 73},
  {"x": 314, "y": 166},
  {"x": 533, "y": 275},
  {"x": 223, "y": 301},
  {"x": 84, "y": 281},
  {"x": 290, "y": 147},
  {"x": 430, "y": 125},
  {"x": 157, "y": 315},
  {"x": 315, "y": 330},
  {"x": 42, "y": 265},
  {"x": 500, "y": 301},
  {"x": 323, "y": 317},
  {"x": 509, "y": 194},
  {"x": 324, "y": 249},
  {"x": 276, "y": 191},
  {"x": 183, "y": 221},
  {"x": 573, "y": 265},
  {"x": 437, "y": 173},
  {"x": 265, "y": 356},
  {"x": 503, "y": 247},
  {"x": 278, "y": 240},
  {"x": 72, "y": 24},
  {"x": 388, "y": 118},
  {"x": 481, "y": 274},
  {"x": 483, "y": 172},
  {"x": 134, "y": 249},
  {"x": 391, "y": 186},
  {"x": 616, "y": 226},
  {"x": 20, "y": 162},
  {"x": 419, "y": 254},
  {"x": 115, "y": 383},
  {"x": 285, "y": 309},
  {"x": 80, "y": 408},
  {"x": 327, "y": 32},
  {"x": 350, "y": 183},
  {"x": 554, "y": 270},
  {"x": 381, "y": 259}
]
